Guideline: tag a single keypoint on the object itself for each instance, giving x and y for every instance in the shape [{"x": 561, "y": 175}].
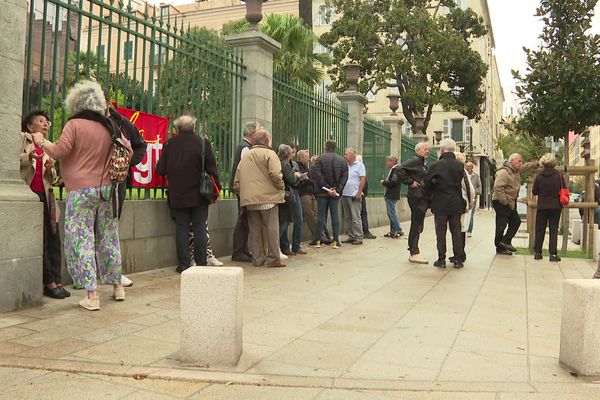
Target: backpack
[{"x": 118, "y": 167}]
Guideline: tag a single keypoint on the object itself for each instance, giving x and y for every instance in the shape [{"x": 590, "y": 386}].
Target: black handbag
[
  {"x": 290, "y": 198},
  {"x": 207, "y": 187}
]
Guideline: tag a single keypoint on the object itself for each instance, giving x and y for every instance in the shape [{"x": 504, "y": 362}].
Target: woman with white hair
[
  {"x": 546, "y": 186},
  {"x": 84, "y": 149}
]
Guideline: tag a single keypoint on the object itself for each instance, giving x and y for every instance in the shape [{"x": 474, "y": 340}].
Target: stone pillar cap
[{"x": 254, "y": 38}]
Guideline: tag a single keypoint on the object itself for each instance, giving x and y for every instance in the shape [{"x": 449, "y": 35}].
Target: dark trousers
[
  {"x": 441, "y": 224},
  {"x": 325, "y": 203},
  {"x": 197, "y": 216},
  {"x": 364, "y": 216},
  {"x": 546, "y": 218},
  {"x": 240, "y": 233},
  {"x": 505, "y": 216},
  {"x": 51, "y": 257},
  {"x": 418, "y": 207}
]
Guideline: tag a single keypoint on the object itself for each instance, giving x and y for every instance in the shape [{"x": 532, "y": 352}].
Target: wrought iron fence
[
  {"x": 376, "y": 146},
  {"x": 306, "y": 117},
  {"x": 146, "y": 58}
]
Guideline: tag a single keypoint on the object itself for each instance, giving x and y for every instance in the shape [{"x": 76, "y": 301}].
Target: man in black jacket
[
  {"x": 240, "y": 250},
  {"x": 181, "y": 161},
  {"x": 412, "y": 173},
  {"x": 391, "y": 196},
  {"x": 330, "y": 174},
  {"x": 444, "y": 183}
]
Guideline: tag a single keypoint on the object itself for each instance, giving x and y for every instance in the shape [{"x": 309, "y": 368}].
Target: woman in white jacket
[{"x": 468, "y": 194}]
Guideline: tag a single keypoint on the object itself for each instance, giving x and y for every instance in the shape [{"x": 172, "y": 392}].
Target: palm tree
[{"x": 296, "y": 56}]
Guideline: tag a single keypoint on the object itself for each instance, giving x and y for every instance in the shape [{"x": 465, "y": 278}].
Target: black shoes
[
  {"x": 508, "y": 247},
  {"x": 64, "y": 291},
  {"x": 394, "y": 235},
  {"x": 458, "y": 264},
  {"x": 241, "y": 258},
  {"x": 537, "y": 256},
  {"x": 369, "y": 235},
  {"x": 55, "y": 293},
  {"x": 554, "y": 258},
  {"x": 440, "y": 264},
  {"x": 349, "y": 240},
  {"x": 356, "y": 242},
  {"x": 504, "y": 252}
]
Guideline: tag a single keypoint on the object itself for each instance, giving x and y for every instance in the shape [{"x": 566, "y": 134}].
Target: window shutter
[
  {"x": 467, "y": 130},
  {"x": 446, "y": 128}
]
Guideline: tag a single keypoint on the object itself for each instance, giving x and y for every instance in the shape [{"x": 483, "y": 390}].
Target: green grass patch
[{"x": 524, "y": 251}]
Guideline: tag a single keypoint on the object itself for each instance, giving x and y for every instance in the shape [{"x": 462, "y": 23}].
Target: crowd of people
[{"x": 275, "y": 188}]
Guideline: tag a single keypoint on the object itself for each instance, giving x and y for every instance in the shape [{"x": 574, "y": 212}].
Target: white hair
[
  {"x": 448, "y": 145},
  {"x": 359, "y": 157},
  {"x": 460, "y": 157},
  {"x": 513, "y": 156},
  {"x": 85, "y": 95},
  {"x": 420, "y": 145},
  {"x": 185, "y": 123}
]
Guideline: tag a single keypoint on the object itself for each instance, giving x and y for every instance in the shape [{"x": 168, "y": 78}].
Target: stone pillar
[
  {"x": 21, "y": 215},
  {"x": 257, "y": 89},
  {"x": 356, "y": 103},
  {"x": 395, "y": 124}
]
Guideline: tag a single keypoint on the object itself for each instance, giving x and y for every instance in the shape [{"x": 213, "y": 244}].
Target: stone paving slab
[{"x": 356, "y": 322}]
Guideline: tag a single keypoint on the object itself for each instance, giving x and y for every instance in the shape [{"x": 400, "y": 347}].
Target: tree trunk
[
  {"x": 565, "y": 211},
  {"x": 305, "y": 12}
]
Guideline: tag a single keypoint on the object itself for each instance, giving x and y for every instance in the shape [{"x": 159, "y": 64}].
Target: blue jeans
[
  {"x": 393, "y": 217},
  {"x": 325, "y": 203},
  {"x": 472, "y": 217},
  {"x": 298, "y": 223}
]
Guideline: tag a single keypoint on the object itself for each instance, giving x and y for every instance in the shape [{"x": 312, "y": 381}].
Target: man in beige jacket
[
  {"x": 504, "y": 201},
  {"x": 259, "y": 182}
]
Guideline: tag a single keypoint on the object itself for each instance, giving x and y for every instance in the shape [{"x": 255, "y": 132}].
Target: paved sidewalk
[{"x": 359, "y": 322}]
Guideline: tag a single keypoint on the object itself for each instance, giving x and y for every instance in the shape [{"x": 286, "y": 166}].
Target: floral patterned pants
[{"x": 91, "y": 238}]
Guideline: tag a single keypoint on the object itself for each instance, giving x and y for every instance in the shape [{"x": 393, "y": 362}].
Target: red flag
[{"x": 153, "y": 129}]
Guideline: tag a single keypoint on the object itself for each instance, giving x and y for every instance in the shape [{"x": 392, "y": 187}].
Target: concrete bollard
[
  {"x": 580, "y": 326},
  {"x": 576, "y": 228},
  {"x": 211, "y": 316}
]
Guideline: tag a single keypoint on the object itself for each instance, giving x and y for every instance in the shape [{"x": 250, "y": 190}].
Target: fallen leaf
[{"x": 140, "y": 377}]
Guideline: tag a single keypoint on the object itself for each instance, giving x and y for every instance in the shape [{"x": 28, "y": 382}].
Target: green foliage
[
  {"x": 560, "y": 90},
  {"x": 296, "y": 57},
  {"x": 412, "y": 46},
  {"x": 529, "y": 146}
]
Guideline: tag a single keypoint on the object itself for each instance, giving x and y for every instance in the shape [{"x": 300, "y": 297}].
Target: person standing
[
  {"x": 476, "y": 182},
  {"x": 297, "y": 215},
  {"x": 391, "y": 196},
  {"x": 259, "y": 184},
  {"x": 468, "y": 195},
  {"x": 444, "y": 181},
  {"x": 240, "y": 233},
  {"x": 306, "y": 190},
  {"x": 364, "y": 215},
  {"x": 546, "y": 186},
  {"x": 504, "y": 201},
  {"x": 288, "y": 208},
  {"x": 330, "y": 174},
  {"x": 138, "y": 145},
  {"x": 184, "y": 158},
  {"x": 352, "y": 197},
  {"x": 412, "y": 173},
  {"x": 91, "y": 230},
  {"x": 37, "y": 170}
]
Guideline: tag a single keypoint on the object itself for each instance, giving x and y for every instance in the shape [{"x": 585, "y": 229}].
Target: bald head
[{"x": 185, "y": 124}]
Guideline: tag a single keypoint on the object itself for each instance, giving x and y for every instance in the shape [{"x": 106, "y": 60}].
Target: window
[
  {"x": 323, "y": 16},
  {"x": 457, "y": 130},
  {"x": 320, "y": 49},
  {"x": 372, "y": 94},
  {"x": 463, "y": 4},
  {"x": 101, "y": 49},
  {"x": 407, "y": 129},
  {"x": 164, "y": 11},
  {"x": 128, "y": 50}
]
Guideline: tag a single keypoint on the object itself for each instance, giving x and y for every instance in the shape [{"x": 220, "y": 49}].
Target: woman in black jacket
[
  {"x": 286, "y": 210},
  {"x": 546, "y": 186}
]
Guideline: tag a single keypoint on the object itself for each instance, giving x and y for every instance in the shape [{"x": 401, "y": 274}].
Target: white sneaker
[
  {"x": 282, "y": 256},
  {"x": 213, "y": 261},
  {"x": 417, "y": 259},
  {"x": 126, "y": 282}
]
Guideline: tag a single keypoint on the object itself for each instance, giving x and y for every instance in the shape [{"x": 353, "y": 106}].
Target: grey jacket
[{"x": 476, "y": 182}]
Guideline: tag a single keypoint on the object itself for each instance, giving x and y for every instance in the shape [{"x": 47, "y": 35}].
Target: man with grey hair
[
  {"x": 240, "y": 233},
  {"x": 260, "y": 188},
  {"x": 412, "y": 173},
  {"x": 184, "y": 158},
  {"x": 352, "y": 197},
  {"x": 476, "y": 182},
  {"x": 504, "y": 200},
  {"x": 444, "y": 183}
]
